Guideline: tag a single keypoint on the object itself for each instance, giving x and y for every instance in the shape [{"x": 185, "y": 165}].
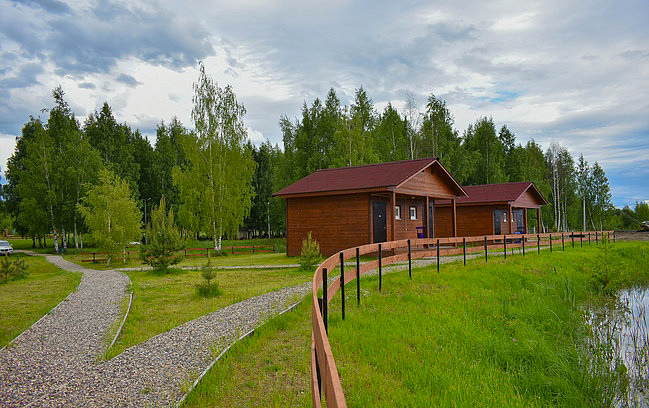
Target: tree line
[{"x": 218, "y": 183}]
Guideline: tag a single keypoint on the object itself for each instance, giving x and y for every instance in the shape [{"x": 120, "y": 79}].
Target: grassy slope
[
  {"x": 271, "y": 369},
  {"x": 24, "y": 301},
  {"x": 501, "y": 334},
  {"x": 163, "y": 302}
]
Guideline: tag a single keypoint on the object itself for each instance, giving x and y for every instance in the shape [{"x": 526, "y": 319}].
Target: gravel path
[
  {"x": 55, "y": 362},
  {"x": 45, "y": 363}
]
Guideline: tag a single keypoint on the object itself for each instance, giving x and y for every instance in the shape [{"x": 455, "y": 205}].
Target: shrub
[
  {"x": 310, "y": 255},
  {"x": 164, "y": 240},
  {"x": 13, "y": 269},
  {"x": 209, "y": 289}
]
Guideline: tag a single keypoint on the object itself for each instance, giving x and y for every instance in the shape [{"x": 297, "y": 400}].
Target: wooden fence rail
[
  {"x": 324, "y": 374},
  {"x": 194, "y": 252}
]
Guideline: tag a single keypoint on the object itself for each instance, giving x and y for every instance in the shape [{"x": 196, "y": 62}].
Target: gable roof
[
  {"x": 373, "y": 177},
  {"x": 497, "y": 193}
]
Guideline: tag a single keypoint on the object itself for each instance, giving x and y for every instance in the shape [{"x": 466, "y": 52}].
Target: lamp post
[{"x": 268, "y": 212}]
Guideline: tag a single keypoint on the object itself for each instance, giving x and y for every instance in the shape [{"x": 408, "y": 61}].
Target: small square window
[
  {"x": 413, "y": 213},
  {"x": 397, "y": 212}
]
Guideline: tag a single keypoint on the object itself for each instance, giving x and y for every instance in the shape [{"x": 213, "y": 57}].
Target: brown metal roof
[
  {"x": 496, "y": 193},
  {"x": 367, "y": 177}
]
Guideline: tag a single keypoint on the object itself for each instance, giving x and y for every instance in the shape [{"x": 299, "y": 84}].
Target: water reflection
[{"x": 621, "y": 338}]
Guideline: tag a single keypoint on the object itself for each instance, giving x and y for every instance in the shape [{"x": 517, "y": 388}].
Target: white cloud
[{"x": 566, "y": 71}]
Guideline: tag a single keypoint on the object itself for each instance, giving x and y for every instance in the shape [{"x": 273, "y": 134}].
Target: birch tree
[
  {"x": 111, "y": 213},
  {"x": 413, "y": 121},
  {"x": 219, "y": 168}
]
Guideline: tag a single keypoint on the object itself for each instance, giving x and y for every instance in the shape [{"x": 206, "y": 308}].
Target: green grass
[
  {"x": 162, "y": 302},
  {"x": 270, "y": 369},
  {"x": 24, "y": 301},
  {"x": 505, "y": 333},
  {"x": 508, "y": 333}
]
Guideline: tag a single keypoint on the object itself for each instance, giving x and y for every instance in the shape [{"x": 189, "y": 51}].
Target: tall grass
[{"x": 506, "y": 333}]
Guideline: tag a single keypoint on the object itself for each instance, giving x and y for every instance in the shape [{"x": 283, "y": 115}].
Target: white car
[{"x": 6, "y": 248}]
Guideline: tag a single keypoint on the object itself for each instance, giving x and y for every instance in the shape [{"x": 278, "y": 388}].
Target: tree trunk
[
  {"x": 76, "y": 234},
  {"x": 64, "y": 239}
]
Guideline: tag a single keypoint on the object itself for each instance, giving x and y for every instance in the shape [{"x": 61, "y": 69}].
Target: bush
[
  {"x": 164, "y": 239},
  {"x": 209, "y": 289},
  {"x": 16, "y": 269},
  {"x": 310, "y": 255}
]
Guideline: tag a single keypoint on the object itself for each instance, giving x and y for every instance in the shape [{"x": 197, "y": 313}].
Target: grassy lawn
[
  {"x": 163, "y": 302},
  {"x": 506, "y": 333},
  {"x": 24, "y": 301},
  {"x": 270, "y": 369}
]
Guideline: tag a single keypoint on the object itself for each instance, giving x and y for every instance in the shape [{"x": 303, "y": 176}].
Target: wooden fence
[
  {"x": 191, "y": 252},
  {"x": 324, "y": 374}
]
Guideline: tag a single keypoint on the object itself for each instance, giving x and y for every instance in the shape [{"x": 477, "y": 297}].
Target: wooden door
[
  {"x": 497, "y": 229},
  {"x": 379, "y": 221}
]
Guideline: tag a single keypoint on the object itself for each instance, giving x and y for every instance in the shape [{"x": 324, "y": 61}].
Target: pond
[{"x": 621, "y": 337}]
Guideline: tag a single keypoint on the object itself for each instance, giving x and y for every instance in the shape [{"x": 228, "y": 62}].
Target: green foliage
[
  {"x": 216, "y": 186},
  {"x": 111, "y": 214},
  {"x": 310, "y": 255},
  {"x": 163, "y": 239},
  {"x": 489, "y": 153},
  {"x": 16, "y": 269},
  {"x": 208, "y": 289}
]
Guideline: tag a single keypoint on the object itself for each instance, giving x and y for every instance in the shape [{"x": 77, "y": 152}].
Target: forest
[{"x": 219, "y": 184}]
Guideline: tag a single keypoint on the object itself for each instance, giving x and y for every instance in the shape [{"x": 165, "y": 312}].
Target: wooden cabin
[
  {"x": 490, "y": 209},
  {"x": 352, "y": 206}
]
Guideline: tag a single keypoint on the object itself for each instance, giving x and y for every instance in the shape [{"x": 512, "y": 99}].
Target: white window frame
[
  {"x": 504, "y": 216},
  {"x": 397, "y": 212},
  {"x": 413, "y": 212}
]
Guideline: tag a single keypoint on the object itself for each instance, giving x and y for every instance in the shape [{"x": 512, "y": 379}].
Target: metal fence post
[
  {"x": 358, "y": 276},
  {"x": 596, "y": 237},
  {"x": 563, "y": 246},
  {"x": 380, "y": 267},
  {"x": 409, "y": 260},
  {"x": 505, "y": 244},
  {"x": 486, "y": 254},
  {"x": 464, "y": 249},
  {"x": 523, "y": 241},
  {"x": 589, "y": 238},
  {"x": 538, "y": 243},
  {"x": 614, "y": 236},
  {"x": 325, "y": 300},
  {"x": 342, "y": 284},
  {"x": 438, "y": 255},
  {"x": 550, "y": 242},
  {"x": 573, "y": 239}
]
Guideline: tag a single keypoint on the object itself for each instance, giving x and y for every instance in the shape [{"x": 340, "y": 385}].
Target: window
[
  {"x": 413, "y": 213},
  {"x": 504, "y": 216},
  {"x": 397, "y": 212}
]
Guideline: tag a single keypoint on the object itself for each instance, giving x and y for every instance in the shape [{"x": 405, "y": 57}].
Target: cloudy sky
[{"x": 565, "y": 71}]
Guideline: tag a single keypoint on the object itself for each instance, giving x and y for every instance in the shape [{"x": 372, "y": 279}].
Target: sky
[{"x": 571, "y": 72}]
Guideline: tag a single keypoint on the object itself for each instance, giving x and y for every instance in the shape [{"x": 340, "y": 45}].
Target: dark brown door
[
  {"x": 497, "y": 229},
  {"x": 380, "y": 224}
]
